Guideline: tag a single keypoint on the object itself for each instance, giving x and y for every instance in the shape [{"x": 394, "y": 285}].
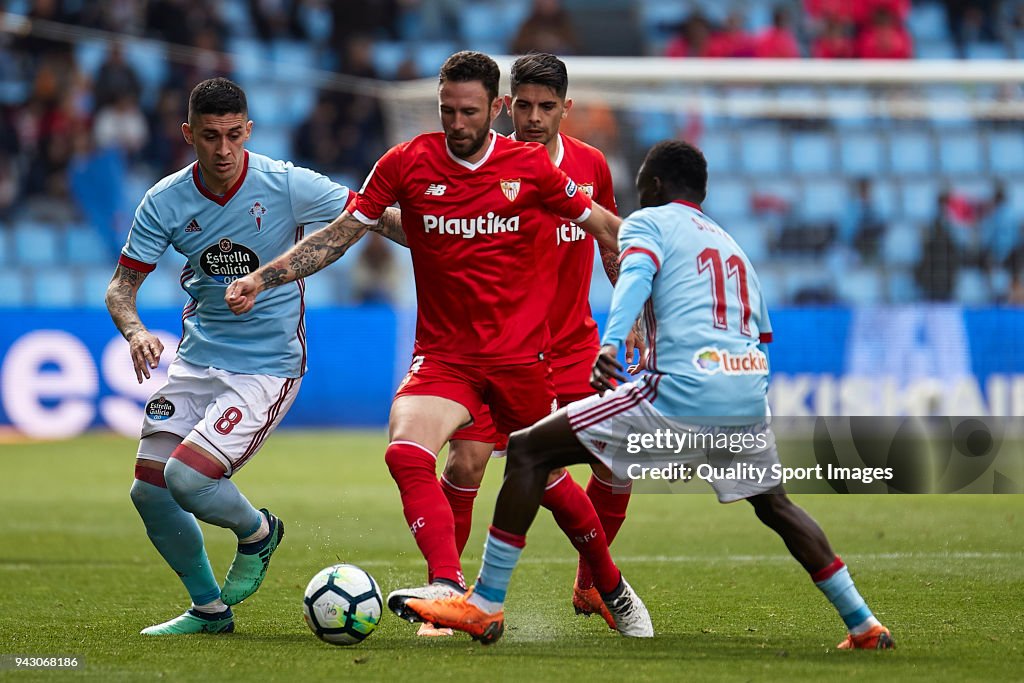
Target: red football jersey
[
  {"x": 481, "y": 243},
  {"x": 573, "y": 330}
]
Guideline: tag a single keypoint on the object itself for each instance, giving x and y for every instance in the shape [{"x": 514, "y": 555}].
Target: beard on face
[{"x": 474, "y": 143}]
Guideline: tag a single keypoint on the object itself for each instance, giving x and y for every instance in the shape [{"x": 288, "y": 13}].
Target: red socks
[
  {"x": 576, "y": 517},
  {"x": 426, "y": 509},
  {"x": 461, "y": 501},
  {"x": 610, "y": 502}
]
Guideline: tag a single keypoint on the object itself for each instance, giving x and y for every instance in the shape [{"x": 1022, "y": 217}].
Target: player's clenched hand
[
  {"x": 636, "y": 348},
  {"x": 241, "y": 295},
  {"x": 145, "y": 349},
  {"x": 607, "y": 371}
]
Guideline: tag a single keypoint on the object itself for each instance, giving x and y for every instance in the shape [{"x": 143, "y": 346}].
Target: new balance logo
[
  {"x": 436, "y": 190},
  {"x": 193, "y": 226}
]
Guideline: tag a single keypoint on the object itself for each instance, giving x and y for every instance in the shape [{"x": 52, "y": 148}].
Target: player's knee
[
  {"x": 185, "y": 484},
  {"x": 516, "y": 448},
  {"x": 395, "y": 460},
  {"x": 142, "y": 496},
  {"x": 771, "y": 508},
  {"x": 522, "y": 453},
  {"x": 463, "y": 472}
]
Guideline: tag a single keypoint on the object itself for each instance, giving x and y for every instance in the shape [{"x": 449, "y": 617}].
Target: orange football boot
[
  {"x": 460, "y": 614},
  {"x": 876, "y": 638},
  {"x": 588, "y": 601}
]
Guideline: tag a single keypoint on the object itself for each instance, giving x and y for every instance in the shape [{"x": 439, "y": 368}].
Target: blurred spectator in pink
[
  {"x": 843, "y": 11},
  {"x": 866, "y": 9},
  {"x": 855, "y": 12},
  {"x": 548, "y": 28},
  {"x": 834, "y": 41},
  {"x": 885, "y": 38},
  {"x": 693, "y": 38},
  {"x": 731, "y": 40},
  {"x": 778, "y": 41}
]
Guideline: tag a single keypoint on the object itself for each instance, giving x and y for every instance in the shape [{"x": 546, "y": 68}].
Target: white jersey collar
[
  {"x": 561, "y": 149},
  {"x": 483, "y": 159}
]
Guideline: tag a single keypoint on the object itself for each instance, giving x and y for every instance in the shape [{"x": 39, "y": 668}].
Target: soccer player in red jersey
[
  {"x": 474, "y": 212},
  {"x": 538, "y": 104}
]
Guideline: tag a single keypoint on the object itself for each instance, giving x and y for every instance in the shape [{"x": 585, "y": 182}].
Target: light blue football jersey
[
  {"x": 706, "y": 316},
  {"x": 224, "y": 238}
]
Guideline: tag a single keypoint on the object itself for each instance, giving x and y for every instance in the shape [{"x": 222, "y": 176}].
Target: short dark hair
[
  {"x": 680, "y": 165},
  {"x": 217, "y": 96},
  {"x": 540, "y": 68},
  {"x": 466, "y": 66}
]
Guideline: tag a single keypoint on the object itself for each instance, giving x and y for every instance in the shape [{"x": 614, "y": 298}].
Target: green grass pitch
[{"x": 78, "y": 576}]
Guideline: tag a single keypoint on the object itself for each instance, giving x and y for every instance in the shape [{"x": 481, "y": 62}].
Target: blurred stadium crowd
[{"x": 904, "y": 210}]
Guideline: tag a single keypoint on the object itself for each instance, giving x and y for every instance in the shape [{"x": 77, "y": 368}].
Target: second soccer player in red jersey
[
  {"x": 473, "y": 211},
  {"x": 538, "y": 103}
]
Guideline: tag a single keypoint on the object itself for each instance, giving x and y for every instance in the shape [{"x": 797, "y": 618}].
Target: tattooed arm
[
  {"x": 603, "y": 225},
  {"x": 312, "y": 254},
  {"x": 610, "y": 261},
  {"x": 145, "y": 348},
  {"x": 390, "y": 226}
]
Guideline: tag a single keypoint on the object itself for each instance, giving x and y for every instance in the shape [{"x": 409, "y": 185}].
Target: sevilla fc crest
[
  {"x": 257, "y": 212},
  {"x": 587, "y": 189},
  {"x": 510, "y": 188}
]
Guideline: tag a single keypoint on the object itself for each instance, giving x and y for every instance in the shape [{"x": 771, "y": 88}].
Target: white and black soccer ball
[{"x": 342, "y": 604}]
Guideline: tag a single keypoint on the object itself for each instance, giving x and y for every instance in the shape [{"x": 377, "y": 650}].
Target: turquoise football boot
[
  {"x": 251, "y": 561},
  {"x": 194, "y": 621}
]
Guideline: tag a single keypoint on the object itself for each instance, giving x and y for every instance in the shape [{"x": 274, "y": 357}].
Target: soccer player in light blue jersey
[
  {"x": 233, "y": 378},
  {"x": 707, "y": 325}
]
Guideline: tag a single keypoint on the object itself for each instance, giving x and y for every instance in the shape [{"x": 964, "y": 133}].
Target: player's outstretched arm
[
  {"x": 631, "y": 291},
  {"x": 636, "y": 340},
  {"x": 604, "y": 226},
  {"x": 312, "y": 254},
  {"x": 145, "y": 347},
  {"x": 390, "y": 226}
]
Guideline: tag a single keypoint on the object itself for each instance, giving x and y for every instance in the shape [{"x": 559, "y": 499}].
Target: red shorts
[
  {"x": 572, "y": 383},
  {"x": 518, "y": 395}
]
